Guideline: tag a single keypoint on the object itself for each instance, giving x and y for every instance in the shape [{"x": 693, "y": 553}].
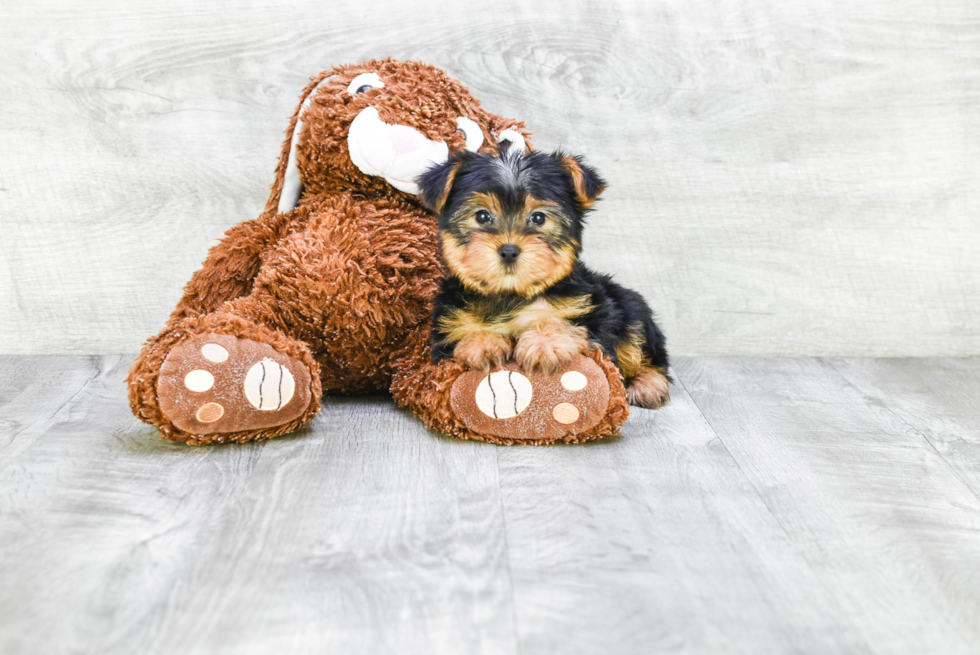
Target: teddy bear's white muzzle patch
[{"x": 398, "y": 153}]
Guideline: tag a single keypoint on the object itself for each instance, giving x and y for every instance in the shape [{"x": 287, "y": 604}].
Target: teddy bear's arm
[{"x": 232, "y": 264}]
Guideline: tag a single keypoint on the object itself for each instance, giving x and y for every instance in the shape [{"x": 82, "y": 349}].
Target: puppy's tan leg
[
  {"x": 649, "y": 388},
  {"x": 483, "y": 349},
  {"x": 550, "y": 345}
]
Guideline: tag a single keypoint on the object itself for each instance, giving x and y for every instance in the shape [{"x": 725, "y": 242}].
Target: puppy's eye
[
  {"x": 483, "y": 217},
  {"x": 537, "y": 218}
]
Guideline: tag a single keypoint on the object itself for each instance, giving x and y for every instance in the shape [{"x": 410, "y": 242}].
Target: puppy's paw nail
[{"x": 482, "y": 351}]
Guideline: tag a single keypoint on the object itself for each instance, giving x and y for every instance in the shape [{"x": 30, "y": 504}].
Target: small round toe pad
[
  {"x": 210, "y": 412},
  {"x": 565, "y": 413}
]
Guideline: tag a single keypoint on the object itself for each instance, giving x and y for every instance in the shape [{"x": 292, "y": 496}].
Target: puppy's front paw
[
  {"x": 483, "y": 350},
  {"x": 551, "y": 348}
]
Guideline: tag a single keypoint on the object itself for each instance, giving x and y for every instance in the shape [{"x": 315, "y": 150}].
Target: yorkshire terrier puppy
[{"x": 510, "y": 229}]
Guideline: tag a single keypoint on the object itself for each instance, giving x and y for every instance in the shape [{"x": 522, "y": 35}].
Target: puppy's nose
[{"x": 509, "y": 253}]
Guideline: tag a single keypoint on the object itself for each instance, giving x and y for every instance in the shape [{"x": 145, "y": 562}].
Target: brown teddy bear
[{"x": 330, "y": 289}]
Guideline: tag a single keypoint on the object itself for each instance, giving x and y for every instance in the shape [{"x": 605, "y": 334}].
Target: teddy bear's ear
[
  {"x": 510, "y": 132},
  {"x": 287, "y": 187},
  {"x": 511, "y": 141},
  {"x": 585, "y": 181},
  {"x": 436, "y": 183}
]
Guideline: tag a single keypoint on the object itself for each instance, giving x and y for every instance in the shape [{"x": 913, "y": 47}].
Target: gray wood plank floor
[{"x": 776, "y": 506}]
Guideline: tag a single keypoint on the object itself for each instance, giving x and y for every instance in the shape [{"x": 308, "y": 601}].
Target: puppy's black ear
[
  {"x": 585, "y": 181},
  {"x": 436, "y": 183}
]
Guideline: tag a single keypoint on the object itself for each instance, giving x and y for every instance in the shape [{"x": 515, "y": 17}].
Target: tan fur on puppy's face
[{"x": 476, "y": 261}]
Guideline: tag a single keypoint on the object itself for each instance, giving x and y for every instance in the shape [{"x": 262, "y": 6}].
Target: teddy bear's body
[
  {"x": 350, "y": 278},
  {"x": 331, "y": 288}
]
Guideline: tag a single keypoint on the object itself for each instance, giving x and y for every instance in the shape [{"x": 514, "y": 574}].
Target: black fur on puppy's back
[{"x": 617, "y": 314}]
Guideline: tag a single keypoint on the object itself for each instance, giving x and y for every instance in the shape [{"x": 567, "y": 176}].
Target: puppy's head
[{"x": 511, "y": 223}]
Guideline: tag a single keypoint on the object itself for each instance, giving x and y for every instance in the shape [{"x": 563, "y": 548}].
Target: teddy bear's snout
[{"x": 398, "y": 153}]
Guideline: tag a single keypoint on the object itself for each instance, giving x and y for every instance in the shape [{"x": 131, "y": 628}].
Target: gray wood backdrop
[{"x": 788, "y": 177}]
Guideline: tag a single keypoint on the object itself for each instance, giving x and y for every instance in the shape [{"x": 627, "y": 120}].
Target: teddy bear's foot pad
[
  {"x": 532, "y": 407},
  {"x": 217, "y": 383}
]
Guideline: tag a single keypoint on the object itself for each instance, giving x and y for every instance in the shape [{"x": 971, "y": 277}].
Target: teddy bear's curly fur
[{"x": 341, "y": 285}]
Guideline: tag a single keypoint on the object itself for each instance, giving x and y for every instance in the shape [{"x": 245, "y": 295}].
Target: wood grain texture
[
  {"x": 785, "y": 178},
  {"x": 937, "y": 399},
  {"x": 657, "y": 542},
  {"x": 41, "y": 392},
  {"x": 361, "y": 534},
  {"x": 890, "y": 530},
  {"x": 775, "y": 506}
]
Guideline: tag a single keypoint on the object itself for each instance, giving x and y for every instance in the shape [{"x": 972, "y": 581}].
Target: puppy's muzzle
[{"x": 509, "y": 253}]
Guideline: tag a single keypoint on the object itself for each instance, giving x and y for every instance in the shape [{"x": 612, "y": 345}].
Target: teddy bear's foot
[
  {"x": 533, "y": 407},
  {"x": 218, "y": 383}
]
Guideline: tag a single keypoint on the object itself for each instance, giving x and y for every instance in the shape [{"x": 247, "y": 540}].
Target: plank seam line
[
  {"x": 838, "y": 610},
  {"x": 510, "y": 571},
  {"x": 908, "y": 424},
  {"x": 100, "y": 372}
]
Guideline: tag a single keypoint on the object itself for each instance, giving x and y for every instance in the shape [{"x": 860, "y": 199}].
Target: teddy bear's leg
[
  {"x": 220, "y": 377},
  {"x": 585, "y": 400},
  {"x": 232, "y": 265}
]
